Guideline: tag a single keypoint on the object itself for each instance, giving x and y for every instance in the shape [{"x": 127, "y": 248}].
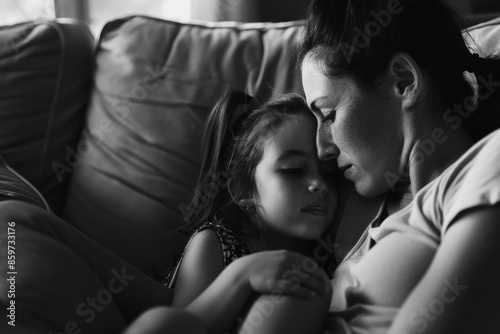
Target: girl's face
[
  {"x": 295, "y": 191},
  {"x": 361, "y": 128}
]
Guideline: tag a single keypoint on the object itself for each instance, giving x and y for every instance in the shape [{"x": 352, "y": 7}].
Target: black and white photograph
[{"x": 250, "y": 166}]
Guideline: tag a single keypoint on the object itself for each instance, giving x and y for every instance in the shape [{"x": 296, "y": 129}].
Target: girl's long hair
[{"x": 232, "y": 146}]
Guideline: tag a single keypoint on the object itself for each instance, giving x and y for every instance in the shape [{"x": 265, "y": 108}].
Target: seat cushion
[
  {"x": 14, "y": 187},
  {"x": 45, "y": 70}
]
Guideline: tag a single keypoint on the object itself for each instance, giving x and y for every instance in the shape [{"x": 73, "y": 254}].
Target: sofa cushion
[
  {"x": 44, "y": 84},
  {"x": 155, "y": 83},
  {"x": 14, "y": 187},
  {"x": 486, "y": 37}
]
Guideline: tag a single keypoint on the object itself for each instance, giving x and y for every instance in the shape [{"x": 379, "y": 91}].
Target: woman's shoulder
[
  {"x": 491, "y": 142},
  {"x": 484, "y": 155},
  {"x": 488, "y": 146},
  {"x": 472, "y": 181}
]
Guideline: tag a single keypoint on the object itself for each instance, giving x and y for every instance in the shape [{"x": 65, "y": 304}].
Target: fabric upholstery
[
  {"x": 66, "y": 280},
  {"x": 486, "y": 37},
  {"x": 44, "y": 83},
  {"x": 15, "y": 187}
]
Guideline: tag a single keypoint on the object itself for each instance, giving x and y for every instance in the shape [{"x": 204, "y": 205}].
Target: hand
[{"x": 283, "y": 272}]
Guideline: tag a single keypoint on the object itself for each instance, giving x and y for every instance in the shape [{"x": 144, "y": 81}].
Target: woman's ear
[{"x": 408, "y": 79}]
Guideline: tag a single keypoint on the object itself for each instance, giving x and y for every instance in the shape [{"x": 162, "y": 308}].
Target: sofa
[{"x": 104, "y": 132}]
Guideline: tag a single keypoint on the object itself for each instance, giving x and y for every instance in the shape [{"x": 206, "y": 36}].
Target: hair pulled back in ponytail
[{"x": 358, "y": 38}]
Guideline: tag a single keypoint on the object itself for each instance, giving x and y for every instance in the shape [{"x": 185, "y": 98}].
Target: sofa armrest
[{"x": 45, "y": 69}]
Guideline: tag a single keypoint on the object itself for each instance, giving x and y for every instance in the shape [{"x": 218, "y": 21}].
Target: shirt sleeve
[
  {"x": 361, "y": 319},
  {"x": 477, "y": 183}
]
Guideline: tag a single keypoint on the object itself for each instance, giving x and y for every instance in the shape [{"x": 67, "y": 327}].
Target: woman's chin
[{"x": 370, "y": 189}]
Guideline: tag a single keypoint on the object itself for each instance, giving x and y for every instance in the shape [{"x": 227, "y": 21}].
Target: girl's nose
[
  {"x": 318, "y": 185},
  {"x": 326, "y": 148}
]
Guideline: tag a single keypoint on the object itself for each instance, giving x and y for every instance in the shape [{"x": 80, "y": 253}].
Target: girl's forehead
[{"x": 296, "y": 132}]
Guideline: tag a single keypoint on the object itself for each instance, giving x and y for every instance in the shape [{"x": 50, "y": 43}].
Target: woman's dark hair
[
  {"x": 357, "y": 39},
  {"x": 232, "y": 146}
]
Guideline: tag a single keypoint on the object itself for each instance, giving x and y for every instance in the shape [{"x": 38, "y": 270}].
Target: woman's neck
[
  {"x": 432, "y": 154},
  {"x": 433, "y": 148}
]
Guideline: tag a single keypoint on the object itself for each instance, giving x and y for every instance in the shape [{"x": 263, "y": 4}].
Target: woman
[{"x": 385, "y": 80}]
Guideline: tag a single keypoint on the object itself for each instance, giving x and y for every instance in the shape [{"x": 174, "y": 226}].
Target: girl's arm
[
  {"x": 265, "y": 272},
  {"x": 460, "y": 291},
  {"x": 201, "y": 263},
  {"x": 218, "y": 307}
]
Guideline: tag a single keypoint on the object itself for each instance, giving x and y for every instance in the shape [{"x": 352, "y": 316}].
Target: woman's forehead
[{"x": 320, "y": 88}]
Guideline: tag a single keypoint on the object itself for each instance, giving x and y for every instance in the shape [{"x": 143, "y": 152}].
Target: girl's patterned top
[{"x": 233, "y": 247}]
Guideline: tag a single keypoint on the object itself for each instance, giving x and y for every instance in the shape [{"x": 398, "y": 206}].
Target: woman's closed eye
[{"x": 329, "y": 116}]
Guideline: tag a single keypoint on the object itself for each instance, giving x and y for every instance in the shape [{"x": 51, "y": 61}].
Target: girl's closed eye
[{"x": 292, "y": 171}]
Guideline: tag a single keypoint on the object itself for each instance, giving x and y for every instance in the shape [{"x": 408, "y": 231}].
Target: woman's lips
[{"x": 345, "y": 169}]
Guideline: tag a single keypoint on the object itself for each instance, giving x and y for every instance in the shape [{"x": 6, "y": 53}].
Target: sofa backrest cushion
[
  {"x": 45, "y": 70},
  {"x": 486, "y": 37},
  {"x": 155, "y": 83}
]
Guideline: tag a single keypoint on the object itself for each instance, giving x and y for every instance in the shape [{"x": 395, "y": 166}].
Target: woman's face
[{"x": 361, "y": 128}]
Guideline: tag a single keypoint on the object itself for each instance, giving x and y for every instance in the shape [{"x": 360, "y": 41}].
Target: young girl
[{"x": 261, "y": 187}]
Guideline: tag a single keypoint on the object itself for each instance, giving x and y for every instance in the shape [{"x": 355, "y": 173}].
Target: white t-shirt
[{"x": 376, "y": 283}]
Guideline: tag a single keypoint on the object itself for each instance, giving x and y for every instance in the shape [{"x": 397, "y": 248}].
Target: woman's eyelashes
[{"x": 329, "y": 116}]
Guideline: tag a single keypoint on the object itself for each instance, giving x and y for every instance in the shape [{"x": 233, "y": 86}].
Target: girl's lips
[
  {"x": 318, "y": 208},
  {"x": 316, "y": 212}
]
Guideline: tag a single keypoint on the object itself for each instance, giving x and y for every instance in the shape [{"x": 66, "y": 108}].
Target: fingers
[
  {"x": 294, "y": 289},
  {"x": 286, "y": 273},
  {"x": 306, "y": 283}
]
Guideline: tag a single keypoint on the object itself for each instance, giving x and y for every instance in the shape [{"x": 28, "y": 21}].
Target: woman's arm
[
  {"x": 201, "y": 263},
  {"x": 272, "y": 314},
  {"x": 460, "y": 291}
]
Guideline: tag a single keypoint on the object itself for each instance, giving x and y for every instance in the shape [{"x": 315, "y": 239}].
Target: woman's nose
[{"x": 327, "y": 150}]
